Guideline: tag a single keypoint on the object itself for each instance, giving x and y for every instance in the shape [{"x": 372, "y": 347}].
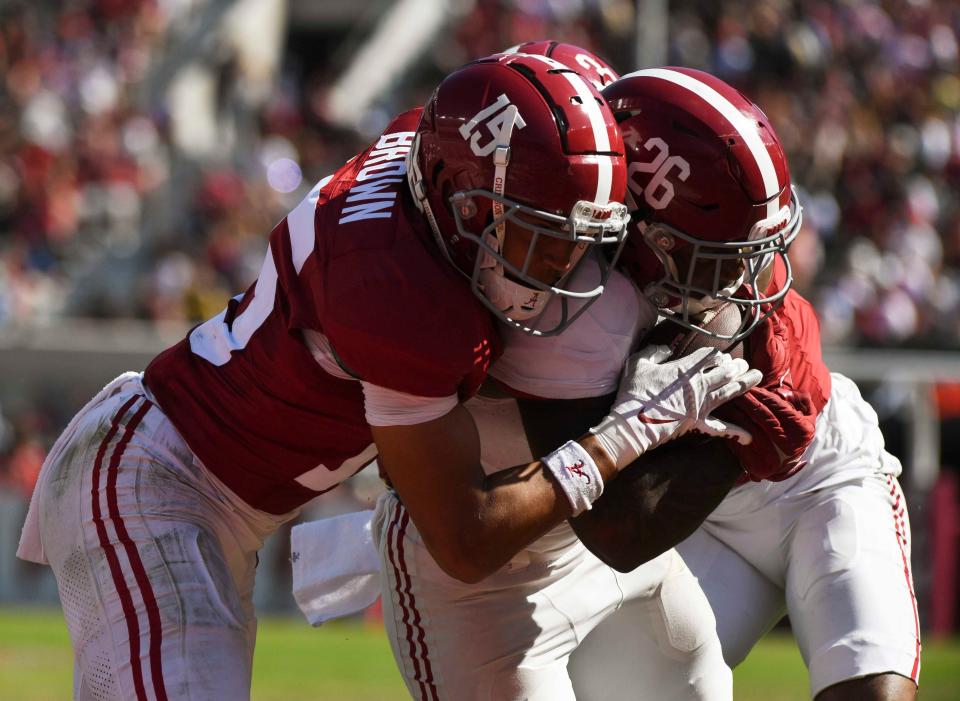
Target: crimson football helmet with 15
[{"x": 521, "y": 146}]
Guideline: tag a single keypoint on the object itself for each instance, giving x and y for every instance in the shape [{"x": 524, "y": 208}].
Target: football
[
  {"x": 689, "y": 475},
  {"x": 725, "y": 320},
  {"x": 658, "y": 501}
]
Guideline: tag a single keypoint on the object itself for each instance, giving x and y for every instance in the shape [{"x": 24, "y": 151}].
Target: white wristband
[{"x": 577, "y": 474}]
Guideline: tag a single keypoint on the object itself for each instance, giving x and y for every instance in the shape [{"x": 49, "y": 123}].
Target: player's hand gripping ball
[{"x": 660, "y": 499}]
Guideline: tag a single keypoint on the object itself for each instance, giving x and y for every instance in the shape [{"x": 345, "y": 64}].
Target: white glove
[{"x": 658, "y": 401}]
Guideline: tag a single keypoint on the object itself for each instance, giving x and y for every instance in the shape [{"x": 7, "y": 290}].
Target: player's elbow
[
  {"x": 467, "y": 572},
  {"x": 623, "y": 563},
  {"x": 464, "y": 558},
  {"x": 643, "y": 550},
  {"x": 638, "y": 555},
  {"x": 623, "y": 549}
]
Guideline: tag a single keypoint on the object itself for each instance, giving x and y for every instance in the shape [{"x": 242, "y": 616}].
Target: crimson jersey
[
  {"x": 781, "y": 412},
  {"x": 352, "y": 288}
]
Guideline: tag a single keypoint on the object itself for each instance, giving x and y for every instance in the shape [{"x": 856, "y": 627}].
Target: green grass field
[{"x": 352, "y": 662}]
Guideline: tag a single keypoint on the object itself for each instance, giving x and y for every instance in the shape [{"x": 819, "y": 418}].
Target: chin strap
[
  {"x": 501, "y": 159},
  {"x": 520, "y": 301}
]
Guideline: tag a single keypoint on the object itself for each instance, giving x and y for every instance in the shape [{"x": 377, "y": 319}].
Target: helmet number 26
[{"x": 659, "y": 190}]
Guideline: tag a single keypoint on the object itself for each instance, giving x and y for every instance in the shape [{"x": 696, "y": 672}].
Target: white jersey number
[
  {"x": 607, "y": 76},
  {"x": 216, "y": 338},
  {"x": 500, "y": 117}
]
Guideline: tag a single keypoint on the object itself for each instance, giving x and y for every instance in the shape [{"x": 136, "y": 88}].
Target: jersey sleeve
[
  {"x": 396, "y": 313},
  {"x": 387, "y": 407},
  {"x": 424, "y": 335},
  {"x": 781, "y": 412}
]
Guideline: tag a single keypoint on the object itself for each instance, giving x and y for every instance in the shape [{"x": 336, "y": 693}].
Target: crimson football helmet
[
  {"x": 522, "y": 146},
  {"x": 710, "y": 197},
  {"x": 586, "y": 63}
]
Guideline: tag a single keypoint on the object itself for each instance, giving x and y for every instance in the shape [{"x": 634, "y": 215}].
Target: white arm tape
[
  {"x": 389, "y": 407},
  {"x": 577, "y": 474}
]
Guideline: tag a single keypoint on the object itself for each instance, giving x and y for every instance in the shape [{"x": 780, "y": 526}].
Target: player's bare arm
[
  {"x": 473, "y": 523},
  {"x": 659, "y": 500}
]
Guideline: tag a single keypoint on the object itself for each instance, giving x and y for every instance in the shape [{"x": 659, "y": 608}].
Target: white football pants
[
  {"x": 154, "y": 558},
  {"x": 510, "y": 636},
  {"x": 836, "y": 560}
]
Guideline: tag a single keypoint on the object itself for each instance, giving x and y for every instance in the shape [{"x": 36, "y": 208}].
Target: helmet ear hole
[
  {"x": 466, "y": 206},
  {"x": 446, "y": 191},
  {"x": 435, "y": 173}
]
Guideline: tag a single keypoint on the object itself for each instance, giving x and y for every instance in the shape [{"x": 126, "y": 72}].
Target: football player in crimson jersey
[
  {"x": 358, "y": 337},
  {"x": 817, "y": 525}
]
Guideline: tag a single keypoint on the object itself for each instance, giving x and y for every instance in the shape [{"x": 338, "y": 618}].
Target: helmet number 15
[{"x": 659, "y": 190}]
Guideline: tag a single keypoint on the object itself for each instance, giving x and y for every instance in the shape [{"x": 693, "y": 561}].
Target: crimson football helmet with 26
[{"x": 710, "y": 196}]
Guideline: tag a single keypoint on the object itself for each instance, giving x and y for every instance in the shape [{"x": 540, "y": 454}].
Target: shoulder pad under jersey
[{"x": 396, "y": 311}]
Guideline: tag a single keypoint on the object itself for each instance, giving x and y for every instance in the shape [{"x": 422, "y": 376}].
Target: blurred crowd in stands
[
  {"x": 103, "y": 214},
  {"x": 865, "y": 95},
  {"x": 866, "y": 98}
]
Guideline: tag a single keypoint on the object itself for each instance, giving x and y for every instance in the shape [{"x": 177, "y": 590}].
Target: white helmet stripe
[
  {"x": 600, "y": 135},
  {"x": 744, "y": 126}
]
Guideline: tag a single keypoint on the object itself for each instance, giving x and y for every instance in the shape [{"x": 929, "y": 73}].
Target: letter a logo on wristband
[
  {"x": 577, "y": 469},
  {"x": 576, "y": 474}
]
